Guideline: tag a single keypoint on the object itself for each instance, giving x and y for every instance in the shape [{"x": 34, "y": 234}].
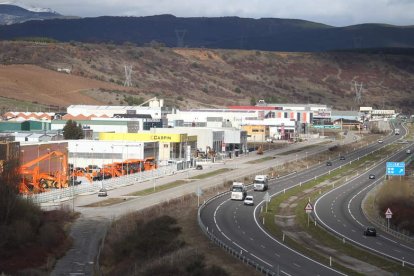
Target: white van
[
  {"x": 238, "y": 191},
  {"x": 260, "y": 183}
]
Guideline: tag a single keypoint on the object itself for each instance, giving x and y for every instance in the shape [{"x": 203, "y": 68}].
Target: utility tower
[
  {"x": 180, "y": 37},
  {"x": 128, "y": 72},
  {"x": 358, "y": 87}
]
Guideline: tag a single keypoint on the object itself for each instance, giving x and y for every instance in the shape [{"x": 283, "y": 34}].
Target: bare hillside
[{"x": 203, "y": 78}]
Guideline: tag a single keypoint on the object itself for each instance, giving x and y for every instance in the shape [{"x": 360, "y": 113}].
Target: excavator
[
  {"x": 34, "y": 181},
  {"x": 150, "y": 163}
]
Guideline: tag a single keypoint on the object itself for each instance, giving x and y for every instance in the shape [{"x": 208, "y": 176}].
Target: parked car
[
  {"x": 102, "y": 192},
  {"x": 329, "y": 163},
  {"x": 248, "y": 200},
  {"x": 372, "y": 176},
  {"x": 199, "y": 167},
  {"x": 341, "y": 157},
  {"x": 370, "y": 231}
]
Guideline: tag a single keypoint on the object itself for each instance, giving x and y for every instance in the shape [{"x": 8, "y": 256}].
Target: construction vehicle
[
  {"x": 150, "y": 163},
  {"x": 34, "y": 181}
]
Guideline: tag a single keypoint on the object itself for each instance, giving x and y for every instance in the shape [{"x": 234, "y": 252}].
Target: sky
[{"x": 331, "y": 12}]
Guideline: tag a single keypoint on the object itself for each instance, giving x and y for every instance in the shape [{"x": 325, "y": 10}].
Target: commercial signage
[
  {"x": 174, "y": 138},
  {"x": 395, "y": 168}
]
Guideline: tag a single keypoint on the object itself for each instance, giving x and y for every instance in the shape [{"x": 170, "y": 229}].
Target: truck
[
  {"x": 238, "y": 191},
  {"x": 260, "y": 183},
  {"x": 397, "y": 131}
]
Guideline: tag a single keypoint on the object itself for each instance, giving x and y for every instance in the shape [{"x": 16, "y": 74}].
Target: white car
[
  {"x": 248, "y": 200},
  {"x": 380, "y": 141}
]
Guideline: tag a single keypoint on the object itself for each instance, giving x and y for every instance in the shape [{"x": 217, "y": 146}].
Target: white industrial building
[
  {"x": 91, "y": 152},
  {"x": 154, "y": 109}
]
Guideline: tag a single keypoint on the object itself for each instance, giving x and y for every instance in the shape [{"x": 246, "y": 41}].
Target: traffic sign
[
  {"x": 388, "y": 213},
  {"x": 199, "y": 191},
  {"x": 266, "y": 197},
  {"x": 395, "y": 168},
  {"x": 308, "y": 208}
]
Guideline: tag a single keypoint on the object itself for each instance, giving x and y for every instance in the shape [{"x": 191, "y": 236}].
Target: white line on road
[
  {"x": 261, "y": 260},
  {"x": 295, "y": 264},
  {"x": 240, "y": 247}
]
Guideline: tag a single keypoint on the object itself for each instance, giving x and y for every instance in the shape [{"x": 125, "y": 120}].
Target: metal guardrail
[{"x": 59, "y": 195}]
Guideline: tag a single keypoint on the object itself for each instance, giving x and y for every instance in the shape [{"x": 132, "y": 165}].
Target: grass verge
[
  {"x": 107, "y": 202},
  {"x": 159, "y": 188},
  {"x": 264, "y": 159},
  {"x": 210, "y": 174}
]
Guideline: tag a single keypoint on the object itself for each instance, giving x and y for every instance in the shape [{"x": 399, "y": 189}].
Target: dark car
[
  {"x": 329, "y": 163},
  {"x": 370, "y": 231},
  {"x": 199, "y": 167},
  {"x": 341, "y": 157},
  {"x": 372, "y": 176}
]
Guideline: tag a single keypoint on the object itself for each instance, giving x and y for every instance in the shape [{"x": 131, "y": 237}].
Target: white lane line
[
  {"x": 261, "y": 260},
  {"x": 388, "y": 239},
  {"x": 344, "y": 225},
  {"x": 353, "y": 230},
  {"x": 277, "y": 255},
  {"x": 225, "y": 236},
  {"x": 397, "y": 250},
  {"x": 407, "y": 247},
  {"x": 262, "y": 246},
  {"x": 251, "y": 239},
  {"x": 378, "y": 243},
  {"x": 239, "y": 247},
  {"x": 295, "y": 264}
]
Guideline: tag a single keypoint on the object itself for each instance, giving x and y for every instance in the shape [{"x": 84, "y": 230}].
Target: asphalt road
[
  {"x": 237, "y": 225},
  {"x": 340, "y": 211}
]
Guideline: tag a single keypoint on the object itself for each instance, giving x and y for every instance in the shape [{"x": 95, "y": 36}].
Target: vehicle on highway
[
  {"x": 371, "y": 176},
  {"x": 341, "y": 157},
  {"x": 102, "y": 192},
  {"x": 408, "y": 151},
  {"x": 249, "y": 200},
  {"x": 397, "y": 131},
  {"x": 380, "y": 141},
  {"x": 199, "y": 167},
  {"x": 238, "y": 191},
  {"x": 260, "y": 183},
  {"x": 329, "y": 163},
  {"x": 370, "y": 231}
]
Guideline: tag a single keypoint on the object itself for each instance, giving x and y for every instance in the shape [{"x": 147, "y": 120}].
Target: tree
[{"x": 72, "y": 131}]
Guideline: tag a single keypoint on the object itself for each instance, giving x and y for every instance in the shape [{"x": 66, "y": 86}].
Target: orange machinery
[
  {"x": 150, "y": 163},
  {"x": 35, "y": 181}
]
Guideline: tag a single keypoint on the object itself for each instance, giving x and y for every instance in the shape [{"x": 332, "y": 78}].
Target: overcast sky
[{"x": 332, "y": 12}]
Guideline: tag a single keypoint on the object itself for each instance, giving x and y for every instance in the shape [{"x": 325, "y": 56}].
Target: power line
[{"x": 180, "y": 34}]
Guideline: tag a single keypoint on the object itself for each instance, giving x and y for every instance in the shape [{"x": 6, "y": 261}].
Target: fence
[{"x": 58, "y": 195}]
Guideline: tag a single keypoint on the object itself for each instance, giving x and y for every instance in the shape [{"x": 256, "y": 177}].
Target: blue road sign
[{"x": 395, "y": 168}]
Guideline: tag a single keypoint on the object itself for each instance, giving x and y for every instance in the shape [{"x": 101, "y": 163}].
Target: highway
[
  {"x": 237, "y": 226},
  {"x": 340, "y": 212}
]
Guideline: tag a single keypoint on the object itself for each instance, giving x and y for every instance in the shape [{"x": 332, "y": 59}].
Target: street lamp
[{"x": 48, "y": 152}]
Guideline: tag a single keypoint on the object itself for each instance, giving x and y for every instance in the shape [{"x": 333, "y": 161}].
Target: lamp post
[{"x": 48, "y": 152}]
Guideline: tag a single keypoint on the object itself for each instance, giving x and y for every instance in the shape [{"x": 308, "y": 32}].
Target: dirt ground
[{"x": 35, "y": 84}]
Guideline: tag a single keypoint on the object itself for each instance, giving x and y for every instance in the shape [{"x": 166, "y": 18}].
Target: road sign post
[
  {"x": 199, "y": 192},
  {"x": 388, "y": 216},
  {"x": 308, "y": 209},
  {"x": 267, "y": 199}
]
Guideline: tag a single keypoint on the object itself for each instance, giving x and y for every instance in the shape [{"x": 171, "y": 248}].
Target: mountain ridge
[{"x": 267, "y": 34}]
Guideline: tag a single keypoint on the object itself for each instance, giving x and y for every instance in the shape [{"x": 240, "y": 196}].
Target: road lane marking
[
  {"x": 262, "y": 246},
  {"x": 261, "y": 260},
  {"x": 240, "y": 247},
  {"x": 378, "y": 243},
  {"x": 295, "y": 264},
  {"x": 387, "y": 239}
]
